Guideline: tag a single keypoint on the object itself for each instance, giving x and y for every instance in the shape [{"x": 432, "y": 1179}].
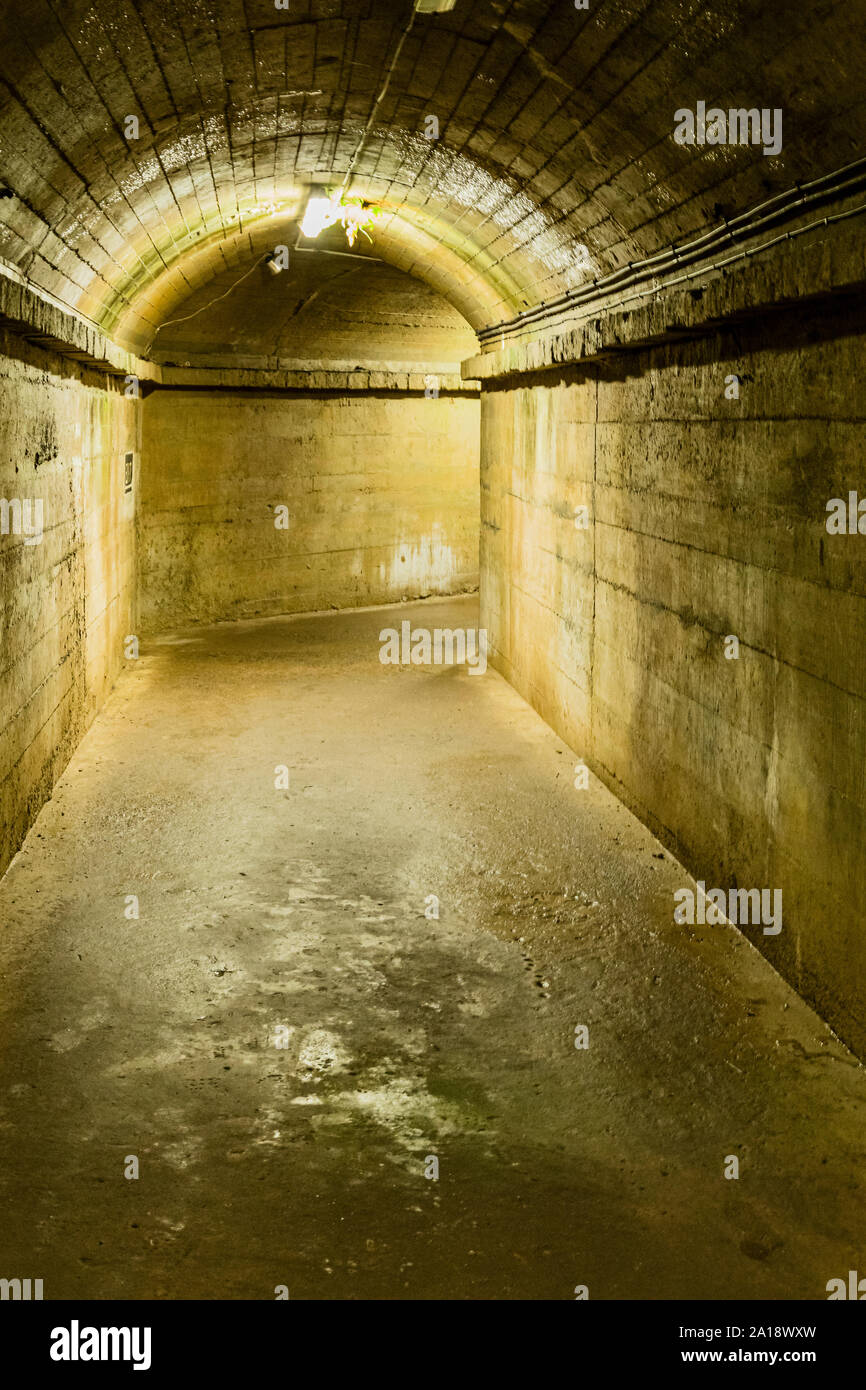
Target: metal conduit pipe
[{"x": 736, "y": 229}]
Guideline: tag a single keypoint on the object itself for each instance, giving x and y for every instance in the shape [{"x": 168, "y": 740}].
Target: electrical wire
[
  {"x": 185, "y": 317},
  {"x": 735, "y": 229},
  {"x": 377, "y": 103}
]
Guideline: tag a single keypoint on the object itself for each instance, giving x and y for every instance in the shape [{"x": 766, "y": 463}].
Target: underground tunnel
[{"x": 432, "y": 651}]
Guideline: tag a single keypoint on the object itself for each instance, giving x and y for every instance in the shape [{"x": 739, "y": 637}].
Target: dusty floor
[{"x": 409, "y": 1037}]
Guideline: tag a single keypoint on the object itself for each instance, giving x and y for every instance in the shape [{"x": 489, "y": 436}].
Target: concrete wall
[
  {"x": 67, "y": 601},
  {"x": 707, "y": 519},
  {"x": 381, "y": 488}
]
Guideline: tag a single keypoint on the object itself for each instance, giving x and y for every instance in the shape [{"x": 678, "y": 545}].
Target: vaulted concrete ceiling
[
  {"x": 555, "y": 160},
  {"x": 327, "y": 311}
]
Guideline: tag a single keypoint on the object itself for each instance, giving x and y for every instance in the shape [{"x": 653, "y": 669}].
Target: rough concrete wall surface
[
  {"x": 380, "y": 492},
  {"x": 706, "y": 520},
  {"x": 67, "y": 567},
  {"x": 324, "y": 311}
]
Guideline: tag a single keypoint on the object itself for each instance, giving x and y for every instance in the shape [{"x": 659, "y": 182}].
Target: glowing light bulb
[
  {"x": 355, "y": 214},
  {"x": 319, "y": 215}
]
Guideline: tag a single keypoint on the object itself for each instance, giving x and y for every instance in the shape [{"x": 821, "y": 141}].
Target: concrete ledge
[
  {"x": 225, "y": 378},
  {"x": 31, "y": 317},
  {"x": 794, "y": 272},
  {"x": 26, "y": 313}
]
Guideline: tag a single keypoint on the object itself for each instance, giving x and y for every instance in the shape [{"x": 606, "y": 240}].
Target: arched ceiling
[
  {"x": 555, "y": 159},
  {"x": 326, "y": 311}
]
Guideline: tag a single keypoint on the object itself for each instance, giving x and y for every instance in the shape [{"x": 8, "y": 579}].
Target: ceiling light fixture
[
  {"x": 355, "y": 214},
  {"x": 317, "y": 217}
]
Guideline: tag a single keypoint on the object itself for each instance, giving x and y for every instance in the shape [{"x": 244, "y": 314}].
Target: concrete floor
[{"x": 409, "y": 1037}]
